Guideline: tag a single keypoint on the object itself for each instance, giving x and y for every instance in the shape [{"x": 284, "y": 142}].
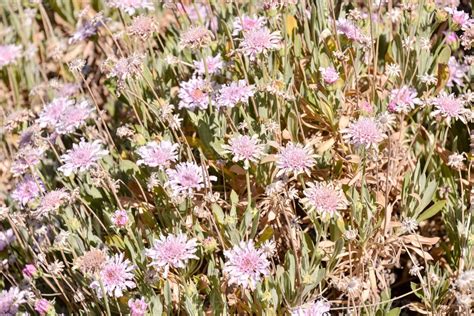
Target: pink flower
[
  {"x": 29, "y": 270},
  {"x": 460, "y": 18},
  {"x": 457, "y": 72},
  {"x": 74, "y": 117},
  {"x": 450, "y": 37},
  {"x": 329, "y": 74},
  {"x": 82, "y": 157},
  {"x": 324, "y": 198},
  {"x": 234, "y": 93},
  {"x": 246, "y": 23},
  {"x": 186, "y": 179},
  {"x": 120, "y": 218},
  {"x": 137, "y": 306},
  {"x": 142, "y": 26},
  {"x": 245, "y": 148},
  {"x": 194, "y": 93},
  {"x": 156, "y": 154},
  {"x": 213, "y": 64},
  {"x": 295, "y": 158},
  {"x": 85, "y": 30},
  {"x": 259, "y": 41},
  {"x": 198, "y": 13},
  {"x": 449, "y": 107},
  {"x": 116, "y": 276},
  {"x": 42, "y": 306},
  {"x": 126, "y": 68},
  {"x": 196, "y": 37},
  {"x": 52, "y": 113},
  {"x": 65, "y": 115},
  {"x": 365, "y": 132},
  {"x": 10, "y": 301},
  {"x": 172, "y": 251},
  {"x": 68, "y": 89},
  {"x": 27, "y": 158},
  {"x": 365, "y": 106},
  {"x": 318, "y": 308},
  {"x": 9, "y": 54},
  {"x": 403, "y": 100},
  {"x": 348, "y": 28},
  {"x": 6, "y": 238},
  {"x": 51, "y": 202},
  {"x": 246, "y": 265},
  {"x": 27, "y": 190},
  {"x": 131, "y": 6}
]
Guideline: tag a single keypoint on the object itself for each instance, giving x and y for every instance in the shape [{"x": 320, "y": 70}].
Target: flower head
[
  {"x": 329, "y": 74},
  {"x": 403, "y": 100},
  {"x": 198, "y": 13},
  {"x": 365, "y": 132},
  {"x": 138, "y": 306},
  {"x": 348, "y": 28},
  {"x": 393, "y": 70},
  {"x": 246, "y": 265},
  {"x": 213, "y": 64},
  {"x": 456, "y": 161},
  {"x": 269, "y": 248},
  {"x": 29, "y": 270},
  {"x": 10, "y": 301},
  {"x": 449, "y": 107},
  {"x": 156, "y": 154},
  {"x": 186, "y": 179},
  {"x": 43, "y": 306},
  {"x": 194, "y": 93},
  {"x": 295, "y": 158},
  {"x": 51, "y": 202},
  {"x": 234, "y": 93},
  {"x": 9, "y": 54},
  {"x": 259, "y": 41},
  {"x": 245, "y": 148},
  {"x": 465, "y": 281},
  {"x": 317, "y": 308},
  {"x": 196, "y": 37},
  {"x": 172, "y": 251},
  {"x": 115, "y": 277},
  {"x": 246, "y": 23},
  {"x": 131, "y": 6},
  {"x": 74, "y": 117},
  {"x": 457, "y": 72},
  {"x": 325, "y": 198},
  {"x": 460, "y": 18},
  {"x": 120, "y": 218},
  {"x": 27, "y": 157},
  {"x": 6, "y": 238},
  {"x": 82, "y": 157},
  {"x": 84, "y": 31},
  {"x": 54, "y": 111},
  {"x": 91, "y": 261},
  {"x": 125, "y": 68},
  {"x": 27, "y": 190},
  {"x": 142, "y": 27}
]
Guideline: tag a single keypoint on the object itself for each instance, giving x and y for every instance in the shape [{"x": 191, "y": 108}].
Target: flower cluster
[{"x": 236, "y": 157}]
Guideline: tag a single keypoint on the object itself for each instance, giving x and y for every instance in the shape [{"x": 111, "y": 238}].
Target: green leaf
[
  {"x": 218, "y": 213},
  {"x": 128, "y": 166},
  {"x": 433, "y": 210},
  {"x": 266, "y": 235},
  {"x": 394, "y": 312},
  {"x": 115, "y": 241},
  {"x": 428, "y": 193},
  {"x": 444, "y": 55}
]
